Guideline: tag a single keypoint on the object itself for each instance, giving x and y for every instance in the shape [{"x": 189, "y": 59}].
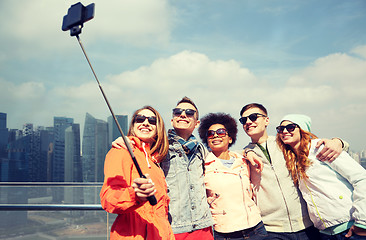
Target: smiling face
[
  {"x": 216, "y": 143},
  {"x": 183, "y": 124},
  {"x": 290, "y": 138},
  {"x": 256, "y": 130},
  {"x": 145, "y": 131}
]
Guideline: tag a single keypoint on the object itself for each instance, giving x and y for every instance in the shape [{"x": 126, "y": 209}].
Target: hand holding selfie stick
[{"x": 73, "y": 21}]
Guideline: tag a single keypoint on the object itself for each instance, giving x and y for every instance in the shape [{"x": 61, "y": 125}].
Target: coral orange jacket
[{"x": 136, "y": 219}]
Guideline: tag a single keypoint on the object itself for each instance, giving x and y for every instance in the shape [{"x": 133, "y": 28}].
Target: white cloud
[
  {"x": 332, "y": 91},
  {"x": 33, "y": 28},
  {"x": 329, "y": 90},
  {"x": 132, "y": 21},
  {"x": 360, "y": 51},
  {"x": 344, "y": 74}
]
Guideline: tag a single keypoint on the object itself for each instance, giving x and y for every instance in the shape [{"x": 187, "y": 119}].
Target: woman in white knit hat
[{"x": 335, "y": 192}]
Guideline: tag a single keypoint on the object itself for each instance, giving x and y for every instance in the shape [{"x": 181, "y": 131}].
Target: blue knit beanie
[{"x": 302, "y": 120}]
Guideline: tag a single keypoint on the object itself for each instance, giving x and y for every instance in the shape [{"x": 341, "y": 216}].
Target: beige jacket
[
  {"x": 229, "y": 194},
  {"x": 282, "y": 207}
]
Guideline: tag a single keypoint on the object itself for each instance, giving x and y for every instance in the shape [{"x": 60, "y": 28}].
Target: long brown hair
[
  {"x": 297, "y": 162},
  {"x": 160, "y": 146}
]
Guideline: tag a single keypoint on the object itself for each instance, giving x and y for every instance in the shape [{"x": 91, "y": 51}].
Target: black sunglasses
[
  {"x": 253, "y": 117},
  {"x": 221, "y": 132},
  {"x": 141, "y": 119},
  {"x": 178, "y": 111},
  {"x": 290, "y": 128}
]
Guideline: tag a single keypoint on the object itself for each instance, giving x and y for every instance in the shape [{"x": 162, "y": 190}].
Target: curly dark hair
[{"x": 218, "y": 118}]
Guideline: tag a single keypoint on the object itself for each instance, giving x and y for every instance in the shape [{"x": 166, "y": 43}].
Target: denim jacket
[{"x": 188, "y": 207}]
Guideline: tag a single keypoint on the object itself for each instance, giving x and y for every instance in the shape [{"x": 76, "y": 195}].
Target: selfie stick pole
[{"x": 152, "y": 198}]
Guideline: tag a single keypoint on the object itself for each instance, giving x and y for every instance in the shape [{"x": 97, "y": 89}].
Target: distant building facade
[
  {"x": 58, "y": 169},
  {"x": 113, "y": 130},
  {"x": 95, "y": 147}
]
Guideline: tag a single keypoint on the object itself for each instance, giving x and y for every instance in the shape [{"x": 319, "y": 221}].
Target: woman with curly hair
[
  {"x": 335, "y": 192},
  {"x": 227, "y": 181}
]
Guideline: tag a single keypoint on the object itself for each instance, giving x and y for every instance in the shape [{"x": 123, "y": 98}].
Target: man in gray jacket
[{"x": 283, "y": 210}]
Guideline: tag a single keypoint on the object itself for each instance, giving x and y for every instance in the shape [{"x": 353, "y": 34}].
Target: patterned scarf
[{"x": 188, "y": 146}]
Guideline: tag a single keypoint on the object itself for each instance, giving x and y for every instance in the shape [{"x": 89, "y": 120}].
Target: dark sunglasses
[
  {"x": 221, "y": 132},
  {"x": 178, "y": 111},
  {"x": 290, "y": 128},
  {"x": 141, "y": 119},
  {"x": 253, "y": 117}
]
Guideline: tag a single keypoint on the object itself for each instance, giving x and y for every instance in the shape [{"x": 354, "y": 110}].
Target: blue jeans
[
  {"x": 257, "y": 232},
  {"x": 341, "y": 236},
  {"x": 310, "y": 233}
]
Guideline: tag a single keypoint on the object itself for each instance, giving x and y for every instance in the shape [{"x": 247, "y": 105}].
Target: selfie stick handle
[{"x": 152, "y": 198}]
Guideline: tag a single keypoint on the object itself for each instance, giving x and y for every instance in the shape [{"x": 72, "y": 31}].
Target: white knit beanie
[{"x": 302, "y": 120}]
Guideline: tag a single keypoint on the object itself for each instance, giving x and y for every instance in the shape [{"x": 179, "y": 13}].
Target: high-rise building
[
  {"x": 46, "y": 136},
  {"x": 95, "y": 147},
  {"x": 113, "y": 129},
  {"x": 73, "y": 168},
  {"x": 2, "y": 120},
  {"x": 29, "y": 150},
  {"x": 27, "y": 129},
  {"x": 15, "y": 168},
  {"x": 19, "y": 156},
  {"x": 58, "y": 164},
  {"x": 3, "y": 136},
  {"x": 37, "y": 166}
]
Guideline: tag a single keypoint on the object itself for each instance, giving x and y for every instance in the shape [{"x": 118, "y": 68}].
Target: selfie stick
[{"x": 75, "y": 31}]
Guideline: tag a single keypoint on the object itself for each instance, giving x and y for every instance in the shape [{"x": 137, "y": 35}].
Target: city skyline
[
  {"x": 60, "y": 153},
  {"x": 57, "y": 153},
  {"x": 123, "y": 121}
]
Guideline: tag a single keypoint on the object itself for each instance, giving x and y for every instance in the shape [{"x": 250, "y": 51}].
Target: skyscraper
[
  {"x": 73, "y": 168},
  {"x": 46, "y": 136},
  {"x": 113, "y": 129},
  {"x": 19, "y": 157},
  {"x": 3, "y": 136},
  {"x": 95, "y": 147},
  {"x": 58, "y": 169}
]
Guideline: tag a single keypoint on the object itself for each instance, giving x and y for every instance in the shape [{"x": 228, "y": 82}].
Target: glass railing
[{"x": 57, "y": 211}]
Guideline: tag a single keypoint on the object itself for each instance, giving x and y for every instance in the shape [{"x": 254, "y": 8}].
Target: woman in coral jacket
[
  {"x": 229, "y": 193},
  {"x": 335, "y": 192},
  {"x": 125, "y": 193}
]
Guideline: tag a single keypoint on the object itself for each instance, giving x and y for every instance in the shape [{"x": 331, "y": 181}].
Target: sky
[{"x": 292, "y": 56}]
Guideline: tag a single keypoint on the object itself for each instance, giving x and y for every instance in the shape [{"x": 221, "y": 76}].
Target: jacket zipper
[
  {"x": 146, "y": 155},
  {"x": 284, "y": 199},
  {"x": 279, "y": 185},
  {"x": 316, "y": 208}
]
